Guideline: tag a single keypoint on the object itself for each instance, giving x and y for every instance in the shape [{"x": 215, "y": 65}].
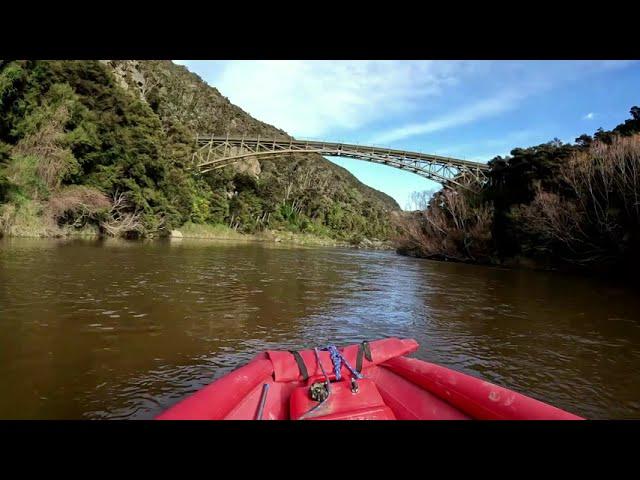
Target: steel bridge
[{"x": 214, "y": 152}]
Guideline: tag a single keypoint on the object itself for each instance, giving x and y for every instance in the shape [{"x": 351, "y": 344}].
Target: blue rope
[{"x": 337, "y": 359}]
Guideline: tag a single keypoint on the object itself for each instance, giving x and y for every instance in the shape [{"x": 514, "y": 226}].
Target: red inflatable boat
[{"x": 370, "y": 381}]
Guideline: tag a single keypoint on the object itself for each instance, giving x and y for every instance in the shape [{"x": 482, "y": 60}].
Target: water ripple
[{"x": 125, "y": 329}]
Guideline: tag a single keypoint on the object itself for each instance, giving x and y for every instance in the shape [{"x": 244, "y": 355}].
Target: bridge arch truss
[{"x": 214, "y": 152}]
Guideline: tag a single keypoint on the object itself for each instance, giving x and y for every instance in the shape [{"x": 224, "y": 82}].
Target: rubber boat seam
[{"x": 386, "y": 392}]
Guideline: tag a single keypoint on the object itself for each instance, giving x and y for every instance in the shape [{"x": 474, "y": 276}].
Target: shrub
[
  {"x": 451, "y": 227},
  {"x": 598, "y": 221},
  {"x": 76, "y": 205}
]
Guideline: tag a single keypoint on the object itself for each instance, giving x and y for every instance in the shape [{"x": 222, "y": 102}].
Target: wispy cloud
[
  {"x": 309, "y": 98},
  {"x": 481, "y": 109},
  {"x": 518, "y": 82},
  {"x": 483, "y": 150},
  {"x": 354, "y": 99},
  {"x": 589, "y": 116}
]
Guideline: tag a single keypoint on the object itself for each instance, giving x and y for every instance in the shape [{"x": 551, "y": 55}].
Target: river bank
[
  {"x": 222, "y": 232},
  {"x": 213, "y": 232},
  {"x": 529, "y": 264}
]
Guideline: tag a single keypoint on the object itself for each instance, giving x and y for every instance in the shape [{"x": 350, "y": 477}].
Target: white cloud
[
  {"x": 484, "y": 150},
  {"x": 519, "y": 80},
  {"x": 589, "y": 116},
  {"x": 309, "y": 98},
  {"x": 317, "y": 99},
  {"x": 468, "y": 114}
]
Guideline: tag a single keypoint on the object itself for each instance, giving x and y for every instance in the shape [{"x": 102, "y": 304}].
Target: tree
[
  {"x": 630, "y": 126},
  {"x": 584, "y": 140},
  {"x": 603, "y": 136},
  {"x": 420, "y": 200}
]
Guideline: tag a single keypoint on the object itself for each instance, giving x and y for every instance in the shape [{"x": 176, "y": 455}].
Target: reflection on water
[{"x": 94, "y": 329}]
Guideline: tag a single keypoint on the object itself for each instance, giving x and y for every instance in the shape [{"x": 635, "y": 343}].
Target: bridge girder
[{"x": 218, "y": 152}]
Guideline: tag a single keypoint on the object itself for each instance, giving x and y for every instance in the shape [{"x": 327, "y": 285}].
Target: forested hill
[{"x": 106, "y": 145}]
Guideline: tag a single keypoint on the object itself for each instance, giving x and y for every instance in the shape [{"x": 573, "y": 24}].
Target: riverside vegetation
[
  {"x": 104, "y": 148},
  {"x": 570, "y": 206}
]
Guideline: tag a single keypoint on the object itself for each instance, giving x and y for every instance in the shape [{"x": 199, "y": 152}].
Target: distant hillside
[{"x": 105, "y": 145}]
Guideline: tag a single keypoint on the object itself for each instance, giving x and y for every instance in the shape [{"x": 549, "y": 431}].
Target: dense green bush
[
  {"x": 130, "y": 136},
  {"x": 114, "y": 142}
]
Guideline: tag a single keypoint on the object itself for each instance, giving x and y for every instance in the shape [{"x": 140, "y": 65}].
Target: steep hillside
[
  {"x": 180, "y": 97},
  {"x": 106, "y": 146}
]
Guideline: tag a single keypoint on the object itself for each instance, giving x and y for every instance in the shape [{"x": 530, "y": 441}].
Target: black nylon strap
[
  {"x": 367, "y": 351},
  {"x": 301, "y": 366},
  {"x": 363, "y": 349}
]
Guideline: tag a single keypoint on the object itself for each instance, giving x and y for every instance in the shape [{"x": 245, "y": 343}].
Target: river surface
[{"x": 114, "y": 329}]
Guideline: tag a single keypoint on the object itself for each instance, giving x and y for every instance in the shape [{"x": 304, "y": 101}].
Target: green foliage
[
  {"x": 209, "y": 230},
  {"x": 6, "y": 188},
  {"x": 289, "y": 214},
  {"x": 87, "y": 123},
  {"x": 23, "y": 217},
  {"x": 200, "y": 210},
  {"x": 116, "y": 141},
  {"x": 5, "y": 152},
  {"x": 12, "y": 79},
  {"x": 245, "y": 210},
  {"x": 335, "y": 217},
  {"x": 630, "y": 126},
  {"x": 514, "y": 181},
  {"x": 22, "y": 178}
]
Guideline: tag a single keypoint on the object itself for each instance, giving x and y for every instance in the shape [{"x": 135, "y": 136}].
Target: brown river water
[{"x": 113, "y": 329}]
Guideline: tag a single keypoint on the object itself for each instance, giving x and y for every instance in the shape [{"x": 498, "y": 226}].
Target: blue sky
[{"x": 464, "y": 109}]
